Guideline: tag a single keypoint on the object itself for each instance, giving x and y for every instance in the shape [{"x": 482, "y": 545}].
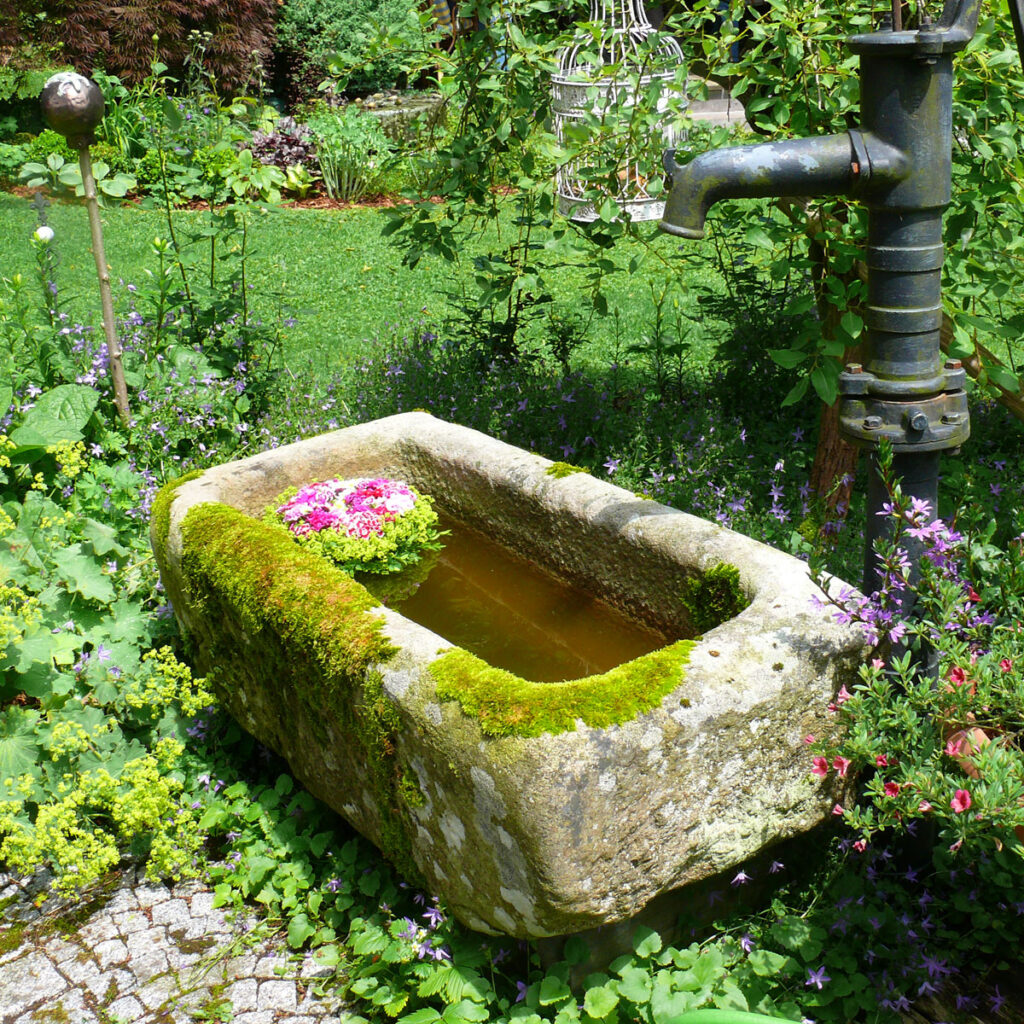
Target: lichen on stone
[{"x": 507, "y": 705}]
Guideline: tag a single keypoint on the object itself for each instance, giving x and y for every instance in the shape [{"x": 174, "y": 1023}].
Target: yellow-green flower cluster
[
  {"x": 71, "y": 458},
  {"x": 18, "y": 611},
  {"x": 81, "y": 831},
  {"x": 166, "y": 682}
]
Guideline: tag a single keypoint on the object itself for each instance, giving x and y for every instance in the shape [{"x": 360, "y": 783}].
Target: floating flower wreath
[{"x": 365, "y": 525}]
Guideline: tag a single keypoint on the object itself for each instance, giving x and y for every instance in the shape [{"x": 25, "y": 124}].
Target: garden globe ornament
[
  {"x": 73, "y": 106},
  {"x": 604, "y": 74}
]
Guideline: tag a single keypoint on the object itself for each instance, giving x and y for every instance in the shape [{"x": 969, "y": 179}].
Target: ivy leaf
[{"x": 19, "y": 748}]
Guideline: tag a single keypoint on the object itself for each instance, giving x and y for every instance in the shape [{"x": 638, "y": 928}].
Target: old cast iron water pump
[{"x": 899, "y": 164}]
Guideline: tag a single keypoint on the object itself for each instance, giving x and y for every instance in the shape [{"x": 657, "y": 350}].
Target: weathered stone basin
[{"x": 533, "y": 808}]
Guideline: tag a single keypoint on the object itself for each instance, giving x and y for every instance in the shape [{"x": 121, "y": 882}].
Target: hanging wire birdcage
[{"x": 602, "y": 76}]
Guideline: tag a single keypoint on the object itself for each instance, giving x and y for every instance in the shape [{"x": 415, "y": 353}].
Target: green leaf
[
  {"x": 101, "y": 537},
  {"x": 553, "y": 990},
  {"x": 667, "y": 1004},
  {"x": 427, "y": 1015},
  {"x": 635, "y": 985},
  {"x": 464, "y": 1011},
  {"x": 767, "y": 964},
  {"x": 19, "y": 748},
  {"x": 82, "y": 574},
  {"x": 599, "y": 1002},
  {"x": 826, "y": 384},
  {"x": 646, "y": 942},
  {"x": 796, "y": 392},
  {"x": 787, "y": 358},
  {"x": 299, "y": 930},
  {"x": 796, "y": 935},
  {"x": 60, "y": 414}
]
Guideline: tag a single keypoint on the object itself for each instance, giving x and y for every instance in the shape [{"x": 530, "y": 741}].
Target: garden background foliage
[{"x": 110, "y": 748}]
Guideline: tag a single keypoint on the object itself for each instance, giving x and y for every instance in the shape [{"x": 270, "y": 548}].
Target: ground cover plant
[{"x": 110, "y": 748}]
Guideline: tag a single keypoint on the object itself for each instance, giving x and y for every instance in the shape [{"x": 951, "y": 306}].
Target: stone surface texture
[
  {"x": 558, "y": 833},
  {"x": 53, "y": 971}
]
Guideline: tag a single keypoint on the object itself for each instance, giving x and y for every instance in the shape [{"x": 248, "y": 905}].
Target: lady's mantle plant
[{"x": 372, "y": 525}]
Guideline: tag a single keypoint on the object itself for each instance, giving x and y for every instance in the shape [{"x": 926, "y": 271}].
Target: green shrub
[
  {"x": 12, "y": 156},
  {"x": 309, "y": 32},
  {"x": 352, "y": 150},
  {"x": 47, "y": 142}
]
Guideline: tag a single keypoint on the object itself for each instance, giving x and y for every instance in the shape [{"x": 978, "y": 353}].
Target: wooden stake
[{"x": 113, "y": 345}]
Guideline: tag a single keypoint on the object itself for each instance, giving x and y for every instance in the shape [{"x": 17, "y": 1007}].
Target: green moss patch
[
  {"x": 713, "y": 597},
  {"x": 507, "y": 705},
  {"x": 274, "y": 584},
  {"x": 281, "y": 615},
  {"x": 160, "y": 515},
  {"x": 563, "y": 469}
]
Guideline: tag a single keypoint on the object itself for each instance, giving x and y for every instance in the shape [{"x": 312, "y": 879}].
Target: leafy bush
[
  {"x": 287, "y": 145},
  {"x": 310, "y": 32},
  {"x": 240, "y": 33},
  {"x": 352, "y": 151},
  {"x": 12, "y": 156}
]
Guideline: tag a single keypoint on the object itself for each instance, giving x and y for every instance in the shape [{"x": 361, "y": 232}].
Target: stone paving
[{"x": 144, "y": 952}]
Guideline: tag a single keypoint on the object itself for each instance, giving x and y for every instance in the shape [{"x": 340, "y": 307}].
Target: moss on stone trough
[{"x": 507, "y": 705}]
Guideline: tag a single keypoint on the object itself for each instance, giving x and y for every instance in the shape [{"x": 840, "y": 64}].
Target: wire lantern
[{"x": 583, "y": 89}]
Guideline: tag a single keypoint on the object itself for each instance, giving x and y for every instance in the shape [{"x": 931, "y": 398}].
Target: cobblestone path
[{"x": 147, "y": 954}]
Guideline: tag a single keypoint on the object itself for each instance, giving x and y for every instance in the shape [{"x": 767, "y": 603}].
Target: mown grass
[{"x": 343, "y": 283}]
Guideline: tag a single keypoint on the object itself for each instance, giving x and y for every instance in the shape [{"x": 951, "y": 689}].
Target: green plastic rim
[{"x": 722, "y": 1017}]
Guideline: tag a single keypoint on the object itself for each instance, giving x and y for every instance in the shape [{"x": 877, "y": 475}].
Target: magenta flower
[{"x": 961, "y": 801}]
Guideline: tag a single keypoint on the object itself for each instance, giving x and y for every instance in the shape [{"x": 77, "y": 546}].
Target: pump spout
[{"x": 824, "y": 165}]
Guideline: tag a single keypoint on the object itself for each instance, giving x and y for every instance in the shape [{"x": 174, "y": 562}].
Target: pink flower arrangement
[{"x": 355, "y": 508}]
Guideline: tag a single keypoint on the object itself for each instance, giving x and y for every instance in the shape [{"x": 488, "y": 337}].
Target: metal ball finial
[{"x": 73, "y": 106}]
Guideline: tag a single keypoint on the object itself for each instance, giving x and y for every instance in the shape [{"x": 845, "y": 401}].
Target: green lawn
[{"x": 335, "y": 274}]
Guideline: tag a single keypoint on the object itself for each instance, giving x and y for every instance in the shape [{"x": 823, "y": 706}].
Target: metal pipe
[{"x": 899, "y": 165}]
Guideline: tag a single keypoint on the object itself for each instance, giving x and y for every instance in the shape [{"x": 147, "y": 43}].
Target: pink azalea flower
[
  {"x": 892, "y": 789},
  {"x": 957, "y": 676},
  {"x": 860, "y": 845},
  {"x": 1006, "y": 665},
  {"x": 954, "y": 746},
  {"x": 820, "y": 767},
  {"x": 882, "y": 761},
  {"x": 838, "y": 810},
  {"x": 961, "y": 801},
  {"x": 844, "y": 695},
  {"x": 841, "y": 765},
  {"x": 924, "y": 807}
]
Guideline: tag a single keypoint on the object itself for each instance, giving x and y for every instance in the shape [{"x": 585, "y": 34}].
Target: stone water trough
[{"x": 533, "y": 809}]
